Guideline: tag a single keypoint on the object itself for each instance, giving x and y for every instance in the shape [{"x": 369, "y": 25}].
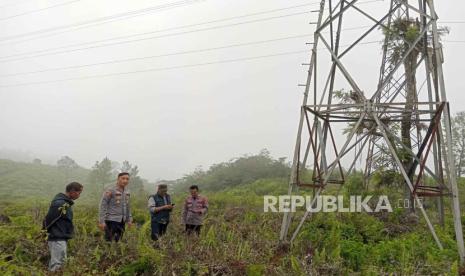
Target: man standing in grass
[
  {"x": 160, "y": 207},
  {"x": 195, "y": 208},
  {"x": 59, "y": 224},
  {"x": 115, "y": 210}
]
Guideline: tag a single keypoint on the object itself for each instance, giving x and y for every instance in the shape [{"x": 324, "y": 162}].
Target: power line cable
[
  {"x": 175, "y": 28},
  {"x": 157, "y": 56},
  {"x": 98, "y": 21},
  {"x": 173, "y": 67},
  {"x": 98, "y": 46},
  {"x": 76, "y": 24},
  {"x": 157, "y": 31},
  {"x": 8, "y": 59},
  {"x": 39, "y": 10},
  {"x": 158, "y": 69}
]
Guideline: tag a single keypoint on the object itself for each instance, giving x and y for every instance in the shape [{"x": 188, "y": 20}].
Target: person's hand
[
  {"x": 169, "y": 206},
  {"x": 102, "y": 226},
  {"x": 130, "y": 224}
]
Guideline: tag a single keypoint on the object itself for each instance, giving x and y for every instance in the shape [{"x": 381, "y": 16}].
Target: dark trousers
[
  {"x": 191, "y": 228},
  {"x": 114, "y": 230},
  {"x": 158, "y": 229}
]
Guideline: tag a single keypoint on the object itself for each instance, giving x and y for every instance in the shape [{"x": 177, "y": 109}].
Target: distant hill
[
  {"x": 236, "y": 172},
  {"x": 19, "y": 180}
]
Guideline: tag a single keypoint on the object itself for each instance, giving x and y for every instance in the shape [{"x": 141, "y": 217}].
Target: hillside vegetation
[
  {"x": 238, "y": 237},
  {"x": 23, "y": 180}
]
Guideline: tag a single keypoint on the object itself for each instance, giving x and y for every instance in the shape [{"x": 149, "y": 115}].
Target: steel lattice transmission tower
[{"x": 393, "y": 123}]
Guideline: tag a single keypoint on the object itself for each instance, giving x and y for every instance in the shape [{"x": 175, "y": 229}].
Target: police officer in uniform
[{"x": 115, "y": 210}]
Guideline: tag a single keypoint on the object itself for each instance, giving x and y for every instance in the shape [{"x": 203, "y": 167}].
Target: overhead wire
[
  {"x": 167, "y": 29},
  {"x": 175, "y": 53},
  {"x": 8, "y": 59},
  {"x": 164, "y": 55},
  {"x": 157, "y": 56},
  {"x": 11, "y": 57},
  {"x": 39, "y": 10},
  {"x": 98, "y": 21},
  {"x": 169, "y": 67},
  {"x": 158, "y": 69},
  {"x": 189, "y": 25}
]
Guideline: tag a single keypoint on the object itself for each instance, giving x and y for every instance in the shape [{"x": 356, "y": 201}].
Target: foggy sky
[{"x": 171, "y": 121}]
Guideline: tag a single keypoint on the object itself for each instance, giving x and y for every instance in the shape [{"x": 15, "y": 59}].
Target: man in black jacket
[{"x": 59, "y": 224}]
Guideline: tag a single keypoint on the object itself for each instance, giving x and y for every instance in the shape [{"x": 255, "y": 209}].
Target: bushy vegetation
[
  {"x": 238, "y": 171},
  {"x": 238, "y": 237}
]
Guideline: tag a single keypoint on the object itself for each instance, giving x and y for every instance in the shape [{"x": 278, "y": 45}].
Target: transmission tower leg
[
  {"x": 295, "y": 163},
  {"x": 447, "y": 125}
]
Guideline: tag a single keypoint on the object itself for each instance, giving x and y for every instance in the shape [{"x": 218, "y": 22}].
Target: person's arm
[
  {"x": 161, "y": 208},
  {"x": 204, "y": 208},
  {"x": 104, "y": 203},
  {"x": 151, "y": 204},
  {"x": 55, "y": 212}
]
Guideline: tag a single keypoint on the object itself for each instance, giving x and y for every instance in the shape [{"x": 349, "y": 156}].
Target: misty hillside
[
  {"x": 19, "y": 180},
  {"x": 24, "y": 180}
]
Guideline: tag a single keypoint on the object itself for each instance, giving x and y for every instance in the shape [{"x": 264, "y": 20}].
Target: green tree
[
  {"x": 458, "y": 132},
  {"x": 400, "y": 36},
  {"x": 242, "y": 170},
  {"x": 37, "y": 161},
  {"x": 66, "y": 165},
  {"x": 101, "y": 172},
  {"x": 67, "y": 162},
  {"x": 126, "y": 167}
]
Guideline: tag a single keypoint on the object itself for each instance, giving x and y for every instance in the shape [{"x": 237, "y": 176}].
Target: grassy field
[{"x": 238, "y": 239}]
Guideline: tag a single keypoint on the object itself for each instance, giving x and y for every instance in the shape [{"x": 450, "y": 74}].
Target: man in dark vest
[
  {"x": 59, "y": 224},
  {"x": 160, "y": 207}
]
